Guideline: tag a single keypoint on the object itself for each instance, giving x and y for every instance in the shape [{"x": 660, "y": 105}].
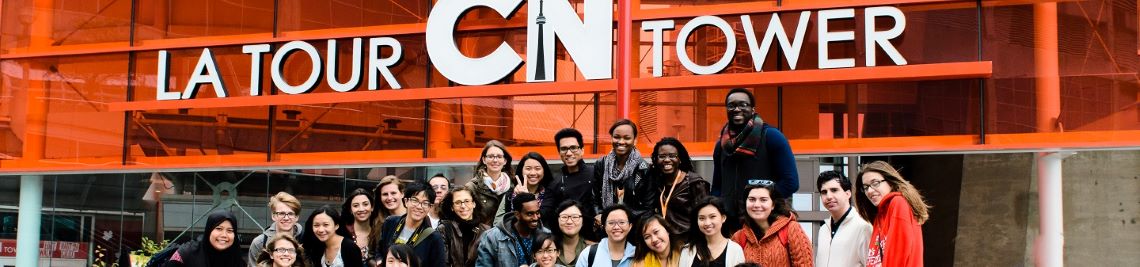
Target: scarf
[
  {"x": 632, "y": 163},
  {"x": 747, "y": 141},
  {"x": 498, "y": 186}
]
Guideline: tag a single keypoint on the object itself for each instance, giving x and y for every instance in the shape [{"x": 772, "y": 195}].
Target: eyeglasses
[
  {"x": 667, "y": 156},
  {"x": 285, "y": 215},
  {"x": 494, "y": 157},
  {"x": 569, "y": 218},
  {"x": 546, "y": 251},
  {"x": 465, "y": 202},
  {"x": 617, "y": 223},
  {"x": 874, "y": 183},
  {"x": 565, "y": 149},
  {"x": 412, "y": 202},
  {"x": 440, "y": 187},
  {"x": 289, "y": 251},
  {"x": 736, "y": 106},
  {"x": 760, "y": 182}
]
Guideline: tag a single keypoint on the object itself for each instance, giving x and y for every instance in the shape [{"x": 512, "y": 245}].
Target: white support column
[
  {"x": 28, "y": 227},
  {"x": 1051, "y": 238}
]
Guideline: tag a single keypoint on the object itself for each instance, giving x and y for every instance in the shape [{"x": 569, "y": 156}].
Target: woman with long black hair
[
  {"x": 325, "y": 241},
  {"x": 709, "y": 245}
]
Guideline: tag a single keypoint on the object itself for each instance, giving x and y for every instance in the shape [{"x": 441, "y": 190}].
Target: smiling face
[
  {"x": 570, "y": 221},
  {"x": 284, "y": 253},
  {"x": 759, "y": 204},
  {"x": 834, "y": 198},
  {"x": 710, "y": 220},
  {"x": 440, "y": 186},
  {"x": 392, "y": 261},
  {"x": 656, "y": 237},
  {"x": 417, "y": 211},
  {"x": 623, "y": 140},
  {"x": 875, "y": 186},
  {"x": 361, "y": 208},
  {"x": 324, "y": 227},
  {"x": 463, "y": 204},
  {"x": 570, "y": 151},
  {"x": 668, "y": 159},
  {"x": 546, "y": 254},
  {"x": 617, "y": 225},
  {"x": 222, "y": 237},
  {"x": 532, "y": 172},
  {"x": 528, "y": 216},
  {"x": 739, "y": 108},
  {"x": 494, "y": 159},
  {"x": 391, "y": 196},
  {"x": 284, "y": 217}
]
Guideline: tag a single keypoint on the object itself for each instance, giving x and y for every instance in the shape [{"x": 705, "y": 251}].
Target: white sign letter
[
  {"x": 588, "y": 41},
  {"x": 882, "y": 39},
  {"x": 206, "y": 64},
  {"x": 279, "y": 59},
  {"x": 375, "y": 63},
  {"x": 827, "y": 37},
  {"x": 164, "y": 78},
  {"x": 775, "y": 31},
  {"x": 330, "y": 70},
  {"x": 730, "y": 44},
  {"x": 441, "y": 48},
  {"x": 658, "y": 28},
  {"x": 255, "y": 52}
]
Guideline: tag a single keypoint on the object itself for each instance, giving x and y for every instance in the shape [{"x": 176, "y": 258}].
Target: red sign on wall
[{"x": 48, "y": 249}]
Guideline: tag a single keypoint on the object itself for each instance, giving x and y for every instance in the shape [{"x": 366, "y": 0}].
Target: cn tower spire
[{"x": 540, "y": 72}]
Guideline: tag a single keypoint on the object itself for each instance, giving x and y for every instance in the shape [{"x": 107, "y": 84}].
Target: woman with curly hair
[{"x": 896, "y": 211}]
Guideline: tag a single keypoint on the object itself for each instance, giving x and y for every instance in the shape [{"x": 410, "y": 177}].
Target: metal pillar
[
  {"x": 28, "y": 227},
  {"x": 1051, "y": 238}
]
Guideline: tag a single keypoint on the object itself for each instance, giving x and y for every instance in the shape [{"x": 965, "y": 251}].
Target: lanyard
[
  {"x": 412, "y": 239},
  {"x": 672, "y": 189}
]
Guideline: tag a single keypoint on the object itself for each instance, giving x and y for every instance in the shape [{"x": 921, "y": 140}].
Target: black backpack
[{"x": 162, "y": 256}]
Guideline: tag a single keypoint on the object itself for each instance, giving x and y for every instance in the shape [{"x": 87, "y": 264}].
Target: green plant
[{"x": 149, "y": 247}]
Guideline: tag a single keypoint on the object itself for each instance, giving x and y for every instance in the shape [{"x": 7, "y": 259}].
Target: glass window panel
[
  {"x": 184, "y": 19},
  {"x": 68, "y": 22}
]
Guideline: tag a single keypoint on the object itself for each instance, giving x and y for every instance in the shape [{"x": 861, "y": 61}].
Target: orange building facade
[{"x": 80, "y": 86}]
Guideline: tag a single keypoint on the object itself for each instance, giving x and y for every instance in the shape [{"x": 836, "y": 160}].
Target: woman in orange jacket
[
  {"x": 896, "y": 211},
  {"x": 772, "y": 237}
]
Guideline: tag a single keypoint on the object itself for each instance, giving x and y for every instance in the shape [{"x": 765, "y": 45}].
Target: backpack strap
[{"x": 590, "y": 257}]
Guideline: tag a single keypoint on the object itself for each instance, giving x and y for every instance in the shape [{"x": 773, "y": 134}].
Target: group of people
[{"x": 620, "y": 211}]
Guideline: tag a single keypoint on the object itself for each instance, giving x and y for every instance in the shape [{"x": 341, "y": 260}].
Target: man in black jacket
[{"x": 574, "y": 182}]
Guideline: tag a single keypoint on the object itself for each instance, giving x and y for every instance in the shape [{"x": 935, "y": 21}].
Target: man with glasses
[
  {"x": 750, "y": 149},
  {"x": 573, "y": 182},
  {"x": 283, "y": 209},
  {"x": 510, "y": 243},
  {"x": 441, "y": 185},
  {"x": 414, "y": 229}
]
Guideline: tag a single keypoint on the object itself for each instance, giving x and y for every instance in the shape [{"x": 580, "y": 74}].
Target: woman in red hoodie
[{"x": 896, "y": 211}]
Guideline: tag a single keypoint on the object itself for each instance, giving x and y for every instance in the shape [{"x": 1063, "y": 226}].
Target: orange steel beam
[
  {"x": 941, "y": 71},
  {"x": 799, "y": 5},
  {"x": 517, "y": 89},
  {"x": 934, "y": 71},
  {"x": 915, "y": 144},
  {"x": 1047, "y": 67}
]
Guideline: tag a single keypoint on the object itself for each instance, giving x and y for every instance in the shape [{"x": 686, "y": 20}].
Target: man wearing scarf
[{"x": 750, "y": 150}]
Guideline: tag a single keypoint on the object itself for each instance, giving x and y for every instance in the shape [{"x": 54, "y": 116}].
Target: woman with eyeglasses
[
  {"x": 570, "y": 216},
  {"x": 358, "y": 214},
  {"x": 708, "y": 245},
  {"x": 771, "y": 235},
  {"x": 532, "y": 175},
  {"x": 493, "y": 179},
  {"x": 460, "y": 227},
  {"x": 658, "y": 247},
  {"x": 673, "y": 186},
  {"x": 326, "y": 243},
  {"x": 413, "y": 229},
  {"x": 621, "y": 167},
  {"x": 615, "y": 250},
  {"x": 896, "y": 211},
  {"x": 545, "y": 252},
  {"x": 283, "y": 251}
]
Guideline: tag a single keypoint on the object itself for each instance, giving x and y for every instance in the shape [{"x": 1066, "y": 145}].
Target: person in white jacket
[
  {"x": 844, "y": 236},
  {"x": 708, "y": 245}
]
